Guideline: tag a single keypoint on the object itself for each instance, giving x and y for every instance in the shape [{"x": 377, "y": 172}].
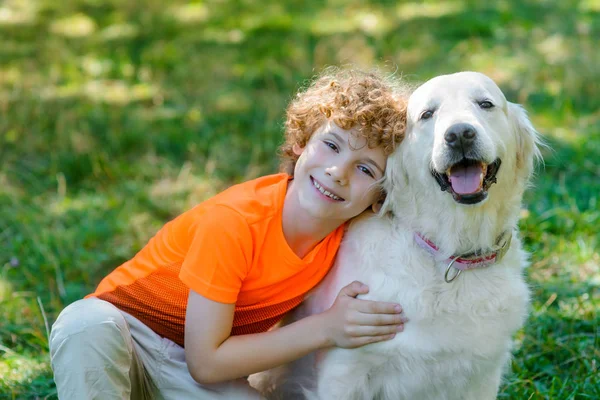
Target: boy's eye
[
  {"x": 366, "y": 171},
  {"x": 331, "y": 145}
]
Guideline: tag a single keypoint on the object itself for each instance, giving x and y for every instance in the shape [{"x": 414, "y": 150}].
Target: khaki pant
[{"x": 101, "y": 352}]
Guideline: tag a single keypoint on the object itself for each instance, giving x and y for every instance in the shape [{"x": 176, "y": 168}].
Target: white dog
[{"x": 449, "y": 253}]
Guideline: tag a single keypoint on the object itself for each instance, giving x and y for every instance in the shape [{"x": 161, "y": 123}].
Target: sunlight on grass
[
  {"x": 371, "y": 21},
  {"x": 142, "y": 226},
  {"x": 9, "y": 75},
  {"x": 188, "y": 188},
  {"x": 412, "y": 10},
  {"x": 67, "y": 91},
  {"x": 326, "y": 24},
  {"x": 8, "y": 186},
  {"x": 6, "y": 290},
  {"x": 501, "y": 63},
  {"x": 584, "y": 306},
  {"x": 17, "y": 12},
  {"x": 413, "y": 55},
  {"x": 20, "y": 370},
  {"x": 166, "y": 113},
  {"x": 119, "y": 92},
  {"x": 234, "y": 101},
  {"x": 119, "y": 32},
  {"x": 75, "y": 26},
  {"x": 568, "y": 128},
  {"x": 272, "y": 14},
  {"x": 589, "y": 5},
  {"x": 555, "y": 48},
  {"x": 568, "y": 132},
  {"x": 60, "y": 204},
  {"x": 353, "y": 50},
  {"x": 190, "y": 13},
  {"x": 96, "y": 67},
  {"x": 577, "y": 260},
  {"x": 231, "y": 36},
  {"x": 102, "y": 90},
  {"x": 580, "y": 307}
]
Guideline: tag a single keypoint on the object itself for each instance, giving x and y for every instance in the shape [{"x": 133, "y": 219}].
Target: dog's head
[{"x": 463, "y": 139}]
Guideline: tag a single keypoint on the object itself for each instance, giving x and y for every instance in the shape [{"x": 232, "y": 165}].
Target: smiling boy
[{"x": 189, "y": 315}]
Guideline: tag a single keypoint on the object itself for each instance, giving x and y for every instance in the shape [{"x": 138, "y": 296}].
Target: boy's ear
[
  {"x": 376, "y": 207},
  {"x": 297, "y": 149}
]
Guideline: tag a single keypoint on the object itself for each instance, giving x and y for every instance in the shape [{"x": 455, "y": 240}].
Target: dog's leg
[
  {"x": 343, "y": 375},
  {"x": 484, "y": 385}
]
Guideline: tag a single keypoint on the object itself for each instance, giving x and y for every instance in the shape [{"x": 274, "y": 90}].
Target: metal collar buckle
[
  {"x": 448, "y": 270},
  {"x": 502, "y": 246}
]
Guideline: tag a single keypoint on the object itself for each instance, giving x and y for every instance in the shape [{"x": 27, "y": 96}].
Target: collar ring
[{"x": 448, "y": 280}]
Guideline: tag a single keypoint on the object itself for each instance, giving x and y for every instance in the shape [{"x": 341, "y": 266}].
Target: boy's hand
[{"x": 352, "y": 322}]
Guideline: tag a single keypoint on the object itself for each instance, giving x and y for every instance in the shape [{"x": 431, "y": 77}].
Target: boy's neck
[{"x": 303, "y": 232}]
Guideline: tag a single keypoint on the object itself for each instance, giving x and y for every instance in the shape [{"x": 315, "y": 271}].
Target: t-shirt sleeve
[{"x": 219, "y": 256}]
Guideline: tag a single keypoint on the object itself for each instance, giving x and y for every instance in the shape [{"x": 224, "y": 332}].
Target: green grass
[{"x": 115, "y": 116}]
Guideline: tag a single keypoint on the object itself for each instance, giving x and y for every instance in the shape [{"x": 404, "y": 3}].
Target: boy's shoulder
[{"x": 254, "y": 200}]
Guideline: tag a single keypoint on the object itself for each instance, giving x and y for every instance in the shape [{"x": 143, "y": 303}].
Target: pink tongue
[{"x": 465, "y": 180}]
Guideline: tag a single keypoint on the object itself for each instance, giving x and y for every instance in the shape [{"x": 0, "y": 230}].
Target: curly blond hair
[{"x": 351, "y": 98}]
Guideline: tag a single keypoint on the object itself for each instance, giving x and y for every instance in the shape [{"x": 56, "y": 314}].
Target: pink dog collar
[{"x": 468, "y": 262}]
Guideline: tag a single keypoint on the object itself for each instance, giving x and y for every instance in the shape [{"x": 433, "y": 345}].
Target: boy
[{"x": 189, "y": 315}]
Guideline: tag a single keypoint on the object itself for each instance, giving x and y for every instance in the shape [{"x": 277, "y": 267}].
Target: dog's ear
[
  {"x": 393, "y": 181},
  {"x": 527, "y": 138}
]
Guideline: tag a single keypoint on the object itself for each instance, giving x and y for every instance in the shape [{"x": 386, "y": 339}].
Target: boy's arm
[{"x": 213, "y": 355}]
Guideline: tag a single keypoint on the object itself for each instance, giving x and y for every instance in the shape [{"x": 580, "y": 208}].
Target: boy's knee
[
  {"x": 89, "y": 322},
  {"x": 91, "y": 351}
]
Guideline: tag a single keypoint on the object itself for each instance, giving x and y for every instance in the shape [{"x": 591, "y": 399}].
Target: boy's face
[{"x": 336, "y": 174}]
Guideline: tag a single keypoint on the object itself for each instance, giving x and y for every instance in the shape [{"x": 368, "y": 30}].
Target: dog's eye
[
  {"x": 426, "y": 114},
  {"x": 486, "y": 104}
]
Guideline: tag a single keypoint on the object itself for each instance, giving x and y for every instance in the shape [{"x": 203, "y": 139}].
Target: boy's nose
[{"x": 338, "y": 173}]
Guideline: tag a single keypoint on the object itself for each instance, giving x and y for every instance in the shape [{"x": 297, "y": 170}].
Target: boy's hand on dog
[{"x": 352, "y": 322}]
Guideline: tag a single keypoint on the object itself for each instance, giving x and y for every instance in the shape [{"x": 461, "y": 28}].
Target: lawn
[{"x": 115, "y": 116}]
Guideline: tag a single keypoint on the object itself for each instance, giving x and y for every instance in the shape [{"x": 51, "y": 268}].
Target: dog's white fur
[{"x": 457, "y": 342}]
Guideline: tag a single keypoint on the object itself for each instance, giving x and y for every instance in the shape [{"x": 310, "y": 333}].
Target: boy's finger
[
  {"x": 354, "y": 289},
  {"x": 367, "y": 319},
  {"x": 362, "y": 340},
  {"x": 377, "y": 307},
  {"x": 368, "y": 330}
]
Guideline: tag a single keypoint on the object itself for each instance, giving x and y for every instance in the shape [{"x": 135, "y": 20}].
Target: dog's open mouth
[{"x": 468, "y": 180}]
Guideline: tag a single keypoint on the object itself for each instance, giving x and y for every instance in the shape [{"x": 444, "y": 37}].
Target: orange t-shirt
[{"x": 229, "y": 249}]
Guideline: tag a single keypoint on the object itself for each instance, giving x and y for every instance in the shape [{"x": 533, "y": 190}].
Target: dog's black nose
[{"x": 460, "y": 135}]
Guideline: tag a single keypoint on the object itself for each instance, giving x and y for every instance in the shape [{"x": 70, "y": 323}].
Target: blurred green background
[{"x": 115, "y": 116}]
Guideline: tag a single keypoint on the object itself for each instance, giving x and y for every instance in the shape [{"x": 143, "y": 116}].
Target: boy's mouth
[{"x": 325, "y": 191}]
